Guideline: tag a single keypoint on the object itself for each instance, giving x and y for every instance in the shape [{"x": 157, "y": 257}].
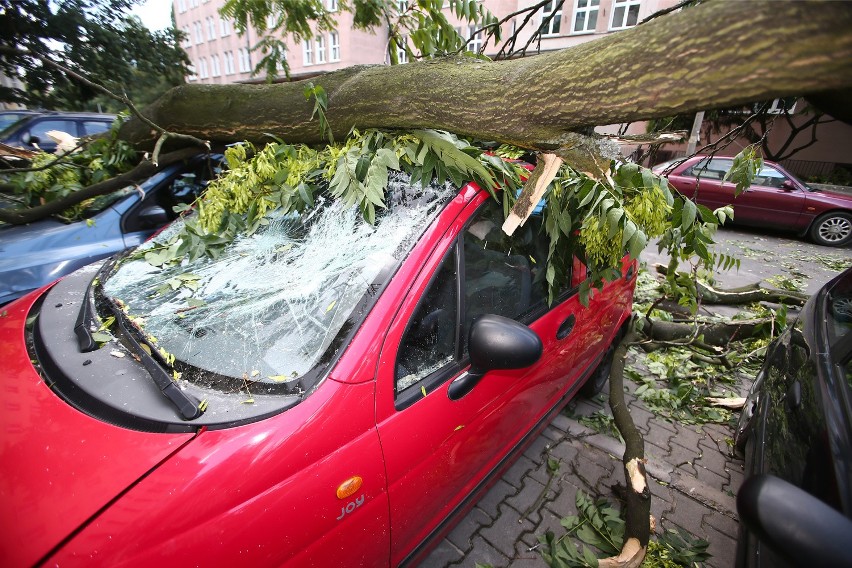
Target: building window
[
  {"x": 586, "y": 15},
  {"x": 193, "y": 3},
  {"x": 202, "y": 68},
  {"x": 211, "y": 28},
  {"x": 215, "y": 68},
  {"x": 334, "y": 46},
  {"x": 229, "y": 62},
  {"x": 187, "y": 36},
  {"x": 625, "y": 14},
  {"x": 199, "y": 32},
  {"x": 332, "y": 5},
  {"x": 474, "y": 42},
  {"x": 245, "y": 60},
  {"x": 192, "y": 74},
  {"x": 308, "y": 52},
  {"x": 181, "y": 6},
  {"x": 320, "y": 49},
  {"x": 401, "y": 53},
  {"x": 551, "y": 16},
  {"x": 224, "y": 27}
]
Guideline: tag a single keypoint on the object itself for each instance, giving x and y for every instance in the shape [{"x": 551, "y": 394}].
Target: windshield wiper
[{"x": 188, "y": 406}]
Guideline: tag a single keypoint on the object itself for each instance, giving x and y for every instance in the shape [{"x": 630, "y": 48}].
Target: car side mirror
[
  {"x": 152, "y": 217},
  {"x": 496, "y": 343},
  {"x": 788, "y": 185},
  {"x": 793, "y": 523},
  {"x": 30, "y": 140}
]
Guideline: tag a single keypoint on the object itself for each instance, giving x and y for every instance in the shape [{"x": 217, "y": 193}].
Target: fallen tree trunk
[
  {"x": 748, "y": 295},
  {"x": 714, "y": 55},
  {"x": 715, "y": 334},
  {"x": 637, "y": 512}
]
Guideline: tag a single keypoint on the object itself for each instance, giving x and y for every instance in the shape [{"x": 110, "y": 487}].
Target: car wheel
[
  {"x": 832, "y": 229},
  {"x": 596, "y": 382}
]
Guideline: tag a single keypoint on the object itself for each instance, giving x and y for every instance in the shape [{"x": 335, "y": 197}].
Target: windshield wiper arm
[{"x": 187, "y": 405}]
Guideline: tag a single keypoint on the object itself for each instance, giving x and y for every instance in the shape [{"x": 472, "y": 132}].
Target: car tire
[
  {"x": 833, "y": 229},
  {"x": 595, "y": 384}
]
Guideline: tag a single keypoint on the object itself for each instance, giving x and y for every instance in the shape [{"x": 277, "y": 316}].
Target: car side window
[
  {"x": 91, "y": 127},
  {"x": 714, "y": 169},
  {"x": 41, "y": 128},
  {"x": 503, "y": 275},
  {"x": 769, "y": 177},
  {"x": 500, "y": 275},
  {"x": 429, "y": 342}
]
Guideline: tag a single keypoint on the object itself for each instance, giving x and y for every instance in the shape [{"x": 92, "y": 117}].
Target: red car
[
  {"x": 338, "y": 394},
  {"x": 775, "y": 199}
]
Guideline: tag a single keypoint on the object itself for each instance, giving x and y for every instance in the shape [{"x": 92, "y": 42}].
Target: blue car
[{"x": 38, "y": 253}]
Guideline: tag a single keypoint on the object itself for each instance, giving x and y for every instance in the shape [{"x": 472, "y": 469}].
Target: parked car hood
[
  {"x": 833, "y": 197},
  {"x": 69, "y": 466}
]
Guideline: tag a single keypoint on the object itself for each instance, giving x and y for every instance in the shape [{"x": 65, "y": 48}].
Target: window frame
[
  {"x": 461, "y": 359},
  {"x": 307, "y": 52},
  {"x": 334, "y": 47},
  {"x": 555, "y": 21},
  {"x": 626, "y": 5},
  {"x": 586, "y": 11}
]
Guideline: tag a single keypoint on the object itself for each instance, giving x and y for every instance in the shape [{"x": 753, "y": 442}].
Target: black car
[
  {"x": 31, "y": 132},
  {"x": 795, "y": 505}
]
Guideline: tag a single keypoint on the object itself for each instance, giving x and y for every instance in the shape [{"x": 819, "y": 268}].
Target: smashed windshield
[{"x": 271, "y": 306}]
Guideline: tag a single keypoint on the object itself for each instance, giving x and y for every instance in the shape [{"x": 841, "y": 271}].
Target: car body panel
[
  {"x": 69, "y": 466},
  {"x": 264, "y": 493},
  {"x": 801, "y": 428},
  {"x": 766, "y": 203},
  {"x": 37, "y": 253}
]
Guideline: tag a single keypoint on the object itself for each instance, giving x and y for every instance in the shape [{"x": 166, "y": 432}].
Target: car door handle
[{"x": 566, "y": 327}]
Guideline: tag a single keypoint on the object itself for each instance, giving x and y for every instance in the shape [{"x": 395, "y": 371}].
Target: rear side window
[
  {"x": 91, "y": 127},
  {"x": 715, "y": 169}
]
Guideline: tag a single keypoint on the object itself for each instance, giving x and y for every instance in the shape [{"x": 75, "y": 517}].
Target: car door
[
  {"x": 773, "y": 200},
  {"x": 439, "y": 451}
]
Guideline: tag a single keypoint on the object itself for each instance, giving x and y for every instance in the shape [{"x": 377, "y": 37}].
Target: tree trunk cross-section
[{"x": 714, "y": 55}]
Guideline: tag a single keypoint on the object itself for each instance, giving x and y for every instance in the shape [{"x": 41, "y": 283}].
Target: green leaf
[{"x": 689, "y": 211}]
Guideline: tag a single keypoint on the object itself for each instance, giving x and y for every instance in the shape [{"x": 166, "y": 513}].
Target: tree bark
[
  {"x": 637, "y": 529},
  {"x": 718, "y": 54}
]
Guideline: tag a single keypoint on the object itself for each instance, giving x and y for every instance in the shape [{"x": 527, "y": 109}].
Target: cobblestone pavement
[{"x": 693, "y": 475}]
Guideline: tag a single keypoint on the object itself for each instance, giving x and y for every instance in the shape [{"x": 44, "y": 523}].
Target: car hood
[{"x": 60, "y": 467}]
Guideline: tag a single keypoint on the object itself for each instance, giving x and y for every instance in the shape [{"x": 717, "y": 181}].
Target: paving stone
[
  {"x": 541, "y": 473},
  {"x": 658, "y": 436},
  {"x": 561, "y": 422},
  {"x": 723, "y": 549},
  {"x": 687, "y": 514},
  {"x": 526, "y": 558},
  {"x": 710, "y": 478},
  {"x": 553, "y": 434},
  {"x": 589, "y": 472},
  {"x": 444, "y": 554},
  {"x": 713, "y": 460},
  {"x": 462, "y": 535},
  {"x": 566, "y": 450},
  {"x": 688, "y": 437},
  {"x": 722, "y": 523},
  {"x": 528, "y": 498},
  {"x": 483, "y": 553},
  {"x": 679, "y": 455},
  {"x": 549, "y": 521},
  {"x": 506, "y": 530},
  {"x": 490, "y": 503},
  {"x": 515, "y": 474},
  {"x": 538, "y": 447}
]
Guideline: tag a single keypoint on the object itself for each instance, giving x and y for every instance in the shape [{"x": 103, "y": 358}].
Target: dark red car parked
[
  {"x": 361, "y": 385},
  {"x": 775, "y": 199}
]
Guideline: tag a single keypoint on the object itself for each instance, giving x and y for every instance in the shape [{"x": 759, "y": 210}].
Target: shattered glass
[{"x": 274, "y": 302}]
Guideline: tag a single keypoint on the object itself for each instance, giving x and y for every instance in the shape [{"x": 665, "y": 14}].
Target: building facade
[{"x": 219, "y": 55}]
